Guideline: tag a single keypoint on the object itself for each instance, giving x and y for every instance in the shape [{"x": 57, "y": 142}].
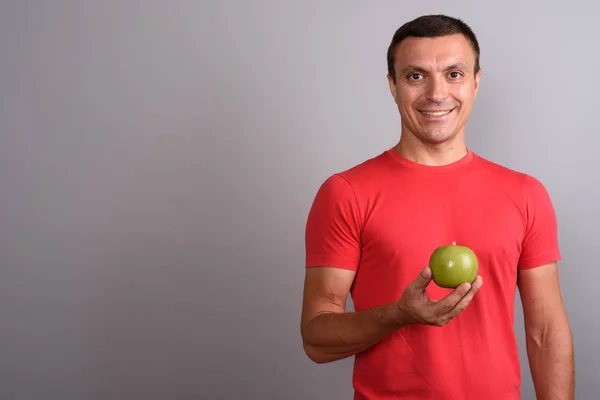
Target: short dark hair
[{"x": 431, "y": 26}]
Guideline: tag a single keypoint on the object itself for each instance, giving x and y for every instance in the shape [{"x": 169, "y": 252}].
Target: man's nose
[{"x": 437, "y": 89}]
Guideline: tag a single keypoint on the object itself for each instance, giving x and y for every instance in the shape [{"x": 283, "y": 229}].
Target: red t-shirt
[{"x": 384, "y": 217}]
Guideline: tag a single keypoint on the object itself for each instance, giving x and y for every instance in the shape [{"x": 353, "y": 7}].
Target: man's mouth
[{"x": 437, "y": 113}]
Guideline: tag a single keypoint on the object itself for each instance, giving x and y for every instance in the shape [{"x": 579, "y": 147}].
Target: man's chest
[{"x": 403, "y": 229}]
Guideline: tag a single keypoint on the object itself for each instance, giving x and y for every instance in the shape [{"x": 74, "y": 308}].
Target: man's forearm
[
  {"x": 552, "y": 365},
  {"x": 331, "y": 336}
]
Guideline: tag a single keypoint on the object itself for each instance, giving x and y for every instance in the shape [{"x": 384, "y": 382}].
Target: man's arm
[
  {"x": 329, "y": 333},
  {"x": 548, "y": 334}
]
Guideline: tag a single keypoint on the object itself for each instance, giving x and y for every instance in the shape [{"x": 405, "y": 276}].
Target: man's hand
[
  {"x": 330, "y": 333},
  {"x": 415, "y": 307}
]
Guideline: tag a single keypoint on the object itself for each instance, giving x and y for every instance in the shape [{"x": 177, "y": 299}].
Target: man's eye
[
  {"x": 455, "y": 75},
  {"x": 414, "y": 77}
]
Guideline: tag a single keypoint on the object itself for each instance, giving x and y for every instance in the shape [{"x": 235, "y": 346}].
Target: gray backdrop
[{"x": 158, "y": 160}]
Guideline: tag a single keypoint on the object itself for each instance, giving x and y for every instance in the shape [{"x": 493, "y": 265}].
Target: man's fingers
[
  {"x": 466, "y": 299},
  {"x": 461, "y": 295},
  {"x": 446, "y": 304}
]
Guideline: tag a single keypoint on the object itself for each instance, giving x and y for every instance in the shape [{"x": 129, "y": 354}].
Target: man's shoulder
[
  {"x": 501, "y": 170},
  {"x": 498, "y": 168},
  {"x": 367, "y": 169},
  {"x": 358, "y": 178},
  {"x": 500, "y": 173}
]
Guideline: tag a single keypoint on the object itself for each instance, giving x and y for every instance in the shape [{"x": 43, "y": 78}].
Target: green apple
[{"x": 452, "y": 265}]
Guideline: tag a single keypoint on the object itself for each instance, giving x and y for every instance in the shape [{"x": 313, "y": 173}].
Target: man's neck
[{"x": 431, "y": 154}]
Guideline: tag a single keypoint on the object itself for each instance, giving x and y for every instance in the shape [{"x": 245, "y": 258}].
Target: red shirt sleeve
[
  {"x": 333, "y": 226},
  {"x": 540, "y": 244}
]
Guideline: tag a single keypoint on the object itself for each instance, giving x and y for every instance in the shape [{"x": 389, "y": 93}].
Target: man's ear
[
  {"x": 392, "y": 85},
  {"x": 477, "y": 81}
]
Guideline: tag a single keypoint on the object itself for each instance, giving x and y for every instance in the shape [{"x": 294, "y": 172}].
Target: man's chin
[{"x": 437, "y": 137}]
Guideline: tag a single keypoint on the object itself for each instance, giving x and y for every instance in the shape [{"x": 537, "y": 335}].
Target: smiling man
[{"x": 372, "y": 228}]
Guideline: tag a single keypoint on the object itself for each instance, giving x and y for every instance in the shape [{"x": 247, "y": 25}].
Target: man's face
[{"x": 435, "y": 86}]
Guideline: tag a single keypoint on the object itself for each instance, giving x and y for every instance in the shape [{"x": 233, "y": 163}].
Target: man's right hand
[
  {"x": 415, "y": 306},
  {"x": 331, "y": 333}
]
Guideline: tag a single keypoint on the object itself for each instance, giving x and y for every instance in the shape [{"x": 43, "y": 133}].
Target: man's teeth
[{"x": 436, "y": 113}]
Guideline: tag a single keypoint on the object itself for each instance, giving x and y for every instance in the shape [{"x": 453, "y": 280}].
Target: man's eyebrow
[
  {"x": 412, "y": 68},
  {"x": 420, "y": 68},
  {"x": 457, "y": 66}
]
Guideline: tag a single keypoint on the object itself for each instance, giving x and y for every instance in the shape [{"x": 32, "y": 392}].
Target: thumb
[{"x": 423, "y": 279}]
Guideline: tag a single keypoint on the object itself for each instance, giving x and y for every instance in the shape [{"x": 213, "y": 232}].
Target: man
[{"x": 372, "y": 228}]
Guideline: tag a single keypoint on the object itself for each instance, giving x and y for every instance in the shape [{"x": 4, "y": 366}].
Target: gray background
[{"x": 158, "y": 160}]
